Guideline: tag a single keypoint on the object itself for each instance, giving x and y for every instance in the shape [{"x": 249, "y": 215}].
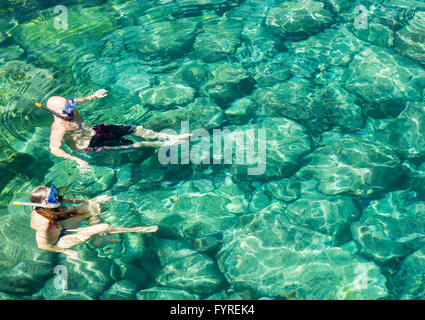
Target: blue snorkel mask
[
  {"x": 68, "y": 107},
  {"x": 53, "y": 195}
]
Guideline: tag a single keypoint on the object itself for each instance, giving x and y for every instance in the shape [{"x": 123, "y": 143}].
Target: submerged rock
[
  {"x": 375, "y": 33},
  {"x": 195, "y": 214},
  {"x": 21, "y": 82},
  {"x": 56, "y": 41},
  {"x": 385, "y": 81},
  {"x": 353, "y": 166},
  {"x": 167, "y": 96},
  {"x": 328, "y": 215},
  {"x": 98, "y": 180},
  {"x": 390, "y": 228},
  {"x": 336, "y": 47},
  {"x": 301, "y": 18},
  {"x": 272, "y": 148},
  {"x": 23, "y": 266},
  {"x": 88, "y": 277},
  {"x": 269, "y": 258},
  {"x": 4, "y": 296},
  {"x": 297, "y": 100},
  {"x": 403, "y": 134},
  {"x": 417, "y": 180},
  {"x": 12, "y": 52},
  {"x": 339, "y": 5},
  {"x": 318, "y": 109},
  {"x": 228, "y": 84},
  {"x": 120, "y": 290},
  {"x": 218, "y": 39},
  {"x": 240, "y": 111},
  {"x": 183, "y": 268},
  {"x": 132, "y": 75},
  {"x": 343, "y": 110},
  {"x": 284, "y": 189},
  {"x": 91, "y": 69},
  {"x": 272, "y": 71},
  {"x": 195, "y": 7},
  {"x": 408, "y": 281},
  {"x": 167, "y": 39},
  {"x": 153, "y": 40},
  {"x": 202, "y": 113},
  {"x": 191, "y": 73},
  {"x": 161, "y": 293},
  {"x": 259, "y": 201},
  {"x": 410, "y": 40}
]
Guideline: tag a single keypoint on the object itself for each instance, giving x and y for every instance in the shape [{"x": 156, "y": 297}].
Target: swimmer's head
[
  {"x": 39, "y": 194},
  {"x": 57, "y": 104}
]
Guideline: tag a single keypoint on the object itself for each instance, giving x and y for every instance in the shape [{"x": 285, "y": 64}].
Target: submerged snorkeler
[
  {"x": 68, "y": 125},
  {"x": 58, "y": 228}
]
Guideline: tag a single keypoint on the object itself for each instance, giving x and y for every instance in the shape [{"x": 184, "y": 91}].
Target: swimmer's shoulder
[{"x": 38, "y": 222}]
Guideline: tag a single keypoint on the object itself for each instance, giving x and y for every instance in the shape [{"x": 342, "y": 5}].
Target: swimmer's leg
[
  {"x": 110, "y": 239},
  {"x": 74, "y": 222},
  {"x": 92, "y": 213},
  {"x": 81, "y": 235},
  {"x": 156, "y": 144},
  {"x": 94, "y": 209},
  {"x": 151, "y": 135},
  {"x": 115, "y": 230}
]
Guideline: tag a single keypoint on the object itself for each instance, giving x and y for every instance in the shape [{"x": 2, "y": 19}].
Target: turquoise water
[{"x": 338, "y": 87}]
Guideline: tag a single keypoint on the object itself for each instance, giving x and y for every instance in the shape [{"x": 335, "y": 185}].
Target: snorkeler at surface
[
  {"x": 68, "y": 125},
  {"x": 58, "y": 228}
]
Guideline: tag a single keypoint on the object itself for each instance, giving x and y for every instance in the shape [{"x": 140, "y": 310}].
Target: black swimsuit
[{"x": 110, "y": 137}]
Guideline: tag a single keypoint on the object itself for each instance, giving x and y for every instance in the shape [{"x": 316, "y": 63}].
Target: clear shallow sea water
[{"x": 337, "y": 85}]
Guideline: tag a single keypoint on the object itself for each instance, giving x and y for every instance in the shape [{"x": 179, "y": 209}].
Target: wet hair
[{"x": 39, "y": 195}]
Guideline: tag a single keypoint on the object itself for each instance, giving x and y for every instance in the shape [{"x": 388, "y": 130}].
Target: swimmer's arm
[
  {"x": 99, "y": 199},
  {"x": 97, "y": 95},
  {"x": 56, "y": 138},
  {"x": 72, "y": 200}
]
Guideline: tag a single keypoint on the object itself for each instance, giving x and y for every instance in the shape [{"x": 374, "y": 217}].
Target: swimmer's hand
[
  {"x": 83, "y": 166},
  {"x": 72, "y": 254},
  {"x": 100, "y": 199},
  {"x": 101, "y": 93}
]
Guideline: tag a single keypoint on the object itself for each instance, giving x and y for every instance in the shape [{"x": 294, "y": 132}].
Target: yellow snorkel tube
[
  {"x": 39, "y": 105},
  {"x": 33, "y": 204}
]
